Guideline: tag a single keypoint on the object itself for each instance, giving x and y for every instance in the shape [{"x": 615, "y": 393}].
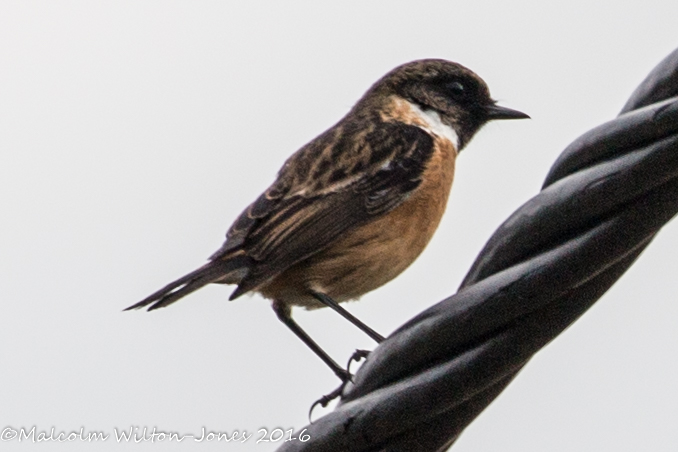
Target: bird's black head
[{"x": 457, "y": 94}]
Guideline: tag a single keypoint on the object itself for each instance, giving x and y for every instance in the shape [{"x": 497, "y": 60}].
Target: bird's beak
[{"x": 497, "y": 112}]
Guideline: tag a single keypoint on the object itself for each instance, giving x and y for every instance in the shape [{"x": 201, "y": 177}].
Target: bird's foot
[
  {"x": 326, "y": 399},
  {"x": 345, "y": 376},
  {"x": 357, "y": 356}
]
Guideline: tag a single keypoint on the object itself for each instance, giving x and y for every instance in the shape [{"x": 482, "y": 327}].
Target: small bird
[{"x": 352, "y": 209}]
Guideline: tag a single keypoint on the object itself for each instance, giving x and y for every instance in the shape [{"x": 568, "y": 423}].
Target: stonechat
[{"x": 353, "y": 208}]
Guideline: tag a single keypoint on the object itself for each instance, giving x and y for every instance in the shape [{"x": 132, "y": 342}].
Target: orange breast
[{"x": 373, "y": 254}]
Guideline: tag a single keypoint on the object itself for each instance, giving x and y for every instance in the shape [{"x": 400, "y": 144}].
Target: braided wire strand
[{"x": 603, "y": 201}]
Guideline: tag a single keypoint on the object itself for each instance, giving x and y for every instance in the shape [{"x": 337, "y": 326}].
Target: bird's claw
[
  {"x": 327, "y": 398},
  {"x": 357, "y": 356},
  {"x": 345, "y": 376}
]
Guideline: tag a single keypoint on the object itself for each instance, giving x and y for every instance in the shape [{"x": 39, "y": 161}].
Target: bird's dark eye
[{"x": 456, "y": 89}]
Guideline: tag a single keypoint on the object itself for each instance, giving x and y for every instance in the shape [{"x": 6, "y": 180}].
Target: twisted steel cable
[{"x": 602, "y": 203}]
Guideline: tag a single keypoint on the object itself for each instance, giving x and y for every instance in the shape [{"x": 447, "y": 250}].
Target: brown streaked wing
[
  {"x": 304, "y": 224},
  {"x": 291, "y": 179},
  {"x": 237, "y": 233}
]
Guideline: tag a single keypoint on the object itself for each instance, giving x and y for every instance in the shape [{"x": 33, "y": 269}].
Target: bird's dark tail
[{"x": 229, "y": 271}]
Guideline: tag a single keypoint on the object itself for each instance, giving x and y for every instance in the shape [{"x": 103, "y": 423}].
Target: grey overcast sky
[{"x": 133, "y": 132}]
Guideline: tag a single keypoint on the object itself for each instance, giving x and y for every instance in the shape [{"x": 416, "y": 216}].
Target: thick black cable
[{"x": 602, "y": 203}]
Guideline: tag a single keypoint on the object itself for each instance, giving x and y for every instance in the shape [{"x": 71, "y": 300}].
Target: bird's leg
[
  {"x": 329, "y": 302},
  {"x": 284, "y": 314}
]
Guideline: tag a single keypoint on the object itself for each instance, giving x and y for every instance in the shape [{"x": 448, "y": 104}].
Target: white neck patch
[{"x": 434, "y": 124}]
